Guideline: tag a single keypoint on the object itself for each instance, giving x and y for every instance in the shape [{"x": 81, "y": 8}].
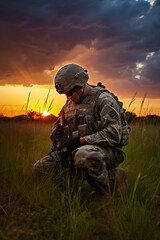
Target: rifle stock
[{"x": 61, "y": 156}]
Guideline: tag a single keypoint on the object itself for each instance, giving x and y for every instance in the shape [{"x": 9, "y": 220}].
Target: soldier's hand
[
  {"x": 57, "y": 133},
  {"x": 70, "y": 144}
]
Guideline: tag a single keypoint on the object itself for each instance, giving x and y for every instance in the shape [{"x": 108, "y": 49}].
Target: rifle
[
  {"x": 60, "y": 155},
  {"x": 62, "y": 152}
]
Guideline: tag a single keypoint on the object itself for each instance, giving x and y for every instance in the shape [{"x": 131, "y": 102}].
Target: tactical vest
[{"x": 84, "y": 119}]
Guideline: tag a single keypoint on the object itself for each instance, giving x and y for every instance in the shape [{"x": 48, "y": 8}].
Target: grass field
[{"x": 34, "y": 208}]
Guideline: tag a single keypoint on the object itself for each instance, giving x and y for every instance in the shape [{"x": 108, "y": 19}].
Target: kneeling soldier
[{"x": 91, "y": 130}]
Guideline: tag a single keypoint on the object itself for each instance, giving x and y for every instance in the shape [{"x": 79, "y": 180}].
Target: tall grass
[
  {"x": 35, "y": 208},
  {"x": 132, "y": 100},
  {"x": 46, "y": 105}
]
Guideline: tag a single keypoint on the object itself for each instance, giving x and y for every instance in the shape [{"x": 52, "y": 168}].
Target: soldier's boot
[{"x": 118, "y": 180}]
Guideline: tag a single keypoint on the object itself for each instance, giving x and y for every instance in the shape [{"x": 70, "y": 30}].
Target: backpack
[{"x": 125, "y": 128}]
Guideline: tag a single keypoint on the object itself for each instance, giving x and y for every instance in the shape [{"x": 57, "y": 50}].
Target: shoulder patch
[{"x": 113, "y": 114}]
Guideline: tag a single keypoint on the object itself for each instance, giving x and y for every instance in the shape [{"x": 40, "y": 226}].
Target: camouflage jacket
[{"x": 99, "y": 119}]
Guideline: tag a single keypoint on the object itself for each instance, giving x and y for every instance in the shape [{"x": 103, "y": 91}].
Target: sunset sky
[{"x": 117, "y": 41}]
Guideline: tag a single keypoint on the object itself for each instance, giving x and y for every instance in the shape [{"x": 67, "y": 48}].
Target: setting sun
[{"x": 45, "y": 113}]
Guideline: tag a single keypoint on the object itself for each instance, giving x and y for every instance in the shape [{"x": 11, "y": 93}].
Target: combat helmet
[{"x": 70, "y": 76}]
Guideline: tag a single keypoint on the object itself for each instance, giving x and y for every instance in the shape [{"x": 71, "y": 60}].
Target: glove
[
  {"x": 70, "y": 144},
  {"x": 57, "y": 133}
]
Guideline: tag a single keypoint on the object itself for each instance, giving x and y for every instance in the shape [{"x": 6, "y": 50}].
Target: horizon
[{"x": 38, "y": 97}]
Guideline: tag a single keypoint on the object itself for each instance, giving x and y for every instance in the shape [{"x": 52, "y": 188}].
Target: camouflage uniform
[{"x": 98, "y": 118}]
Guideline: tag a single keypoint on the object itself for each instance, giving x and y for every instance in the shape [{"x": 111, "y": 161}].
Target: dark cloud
[
  {"x": 38, "y": 35},
  {"x": 151, "y": 69}
]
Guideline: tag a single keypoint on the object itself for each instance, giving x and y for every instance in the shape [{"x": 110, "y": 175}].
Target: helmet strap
[{"x": 81, "y": 94}]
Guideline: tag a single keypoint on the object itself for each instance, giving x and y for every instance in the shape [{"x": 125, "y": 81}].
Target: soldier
[{"x": 96, "y": 130}]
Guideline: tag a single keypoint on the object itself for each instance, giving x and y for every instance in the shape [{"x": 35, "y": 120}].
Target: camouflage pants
[{"x": 90, "y": 160}]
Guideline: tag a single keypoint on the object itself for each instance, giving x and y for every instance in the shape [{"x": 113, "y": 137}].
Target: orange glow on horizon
[{"x": 13, "y": 102}]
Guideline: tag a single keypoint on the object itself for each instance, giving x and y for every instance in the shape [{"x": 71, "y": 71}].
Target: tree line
[{"x": 131, "y": 118}]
